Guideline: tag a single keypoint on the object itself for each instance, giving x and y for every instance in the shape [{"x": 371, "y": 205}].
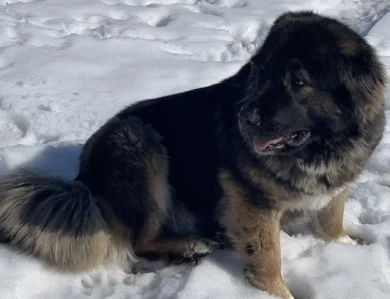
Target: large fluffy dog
[{"x": 284, "y": 136}]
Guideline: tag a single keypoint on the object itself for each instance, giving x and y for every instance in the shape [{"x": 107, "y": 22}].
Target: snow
[{"x": 67, "y": 66}]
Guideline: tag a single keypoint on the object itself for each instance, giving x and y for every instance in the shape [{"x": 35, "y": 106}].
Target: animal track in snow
[
  {"x": 149, "y": 3},
  {"x": 150, "y": 280},
  {"x": 157, "y": 20},
  {"x": 99, "y": 285},
  {"x": 300, "y": 286},
  {"x": 20, "y": 122},
  {"x": 164, "y": 21},
  {"x": 374, "y": 217},
  {"x": 169, "y": 21},
  {"x": 227, "y": 3}
]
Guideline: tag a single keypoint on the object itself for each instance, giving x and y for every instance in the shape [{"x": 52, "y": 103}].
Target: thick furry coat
[{"x": 283, "y": 136}]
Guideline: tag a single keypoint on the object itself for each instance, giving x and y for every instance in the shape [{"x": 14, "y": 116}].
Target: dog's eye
[{"x": 298, "y": 82}]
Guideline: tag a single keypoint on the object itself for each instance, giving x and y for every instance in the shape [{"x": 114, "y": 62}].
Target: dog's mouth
[{"x": 296, "y": 139}]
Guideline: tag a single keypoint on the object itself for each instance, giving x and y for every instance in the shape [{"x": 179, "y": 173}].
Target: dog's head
[{"x": 314, "y": 81}]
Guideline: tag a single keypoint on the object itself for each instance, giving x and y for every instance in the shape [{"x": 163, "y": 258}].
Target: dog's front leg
[
  {"x": 255, "y": 235},
  {"x": 329, "y": 221}
]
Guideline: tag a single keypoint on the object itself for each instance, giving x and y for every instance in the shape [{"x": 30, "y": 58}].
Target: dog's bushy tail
[{"x": 58, "y": 221}]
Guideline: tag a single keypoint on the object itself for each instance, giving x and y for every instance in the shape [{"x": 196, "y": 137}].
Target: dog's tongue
[{"x": 260, "y": 145}]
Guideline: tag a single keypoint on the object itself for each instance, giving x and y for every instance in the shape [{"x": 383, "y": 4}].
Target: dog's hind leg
[{"x": 125, "y": 166}]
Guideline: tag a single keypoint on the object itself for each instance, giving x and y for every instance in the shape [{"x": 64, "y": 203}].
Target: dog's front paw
[
  {"x": 273, "y": 285},
  {"x": 348, "y": 240}
]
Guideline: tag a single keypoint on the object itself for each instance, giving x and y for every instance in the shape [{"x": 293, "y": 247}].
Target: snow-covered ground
[{"x": 66, "y": 66}]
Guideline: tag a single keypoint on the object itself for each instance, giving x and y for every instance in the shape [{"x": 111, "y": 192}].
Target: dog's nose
[{"x": 253, "y": 118}]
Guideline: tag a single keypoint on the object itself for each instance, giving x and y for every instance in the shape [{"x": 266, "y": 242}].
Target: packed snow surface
[{"x": 66, "y": 66}]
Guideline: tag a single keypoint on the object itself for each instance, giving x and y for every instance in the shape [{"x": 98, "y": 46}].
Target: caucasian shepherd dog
[{"x": 169, "y": 176}]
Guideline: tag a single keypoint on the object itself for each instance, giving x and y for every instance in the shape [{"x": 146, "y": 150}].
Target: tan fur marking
[
  {"x": 68, "y": 252},
  {"x": 348, "y": 44},
  {"x": 329, "y": 220},
  {"x": 258, "y": 241},
  {"x": 158, "y": 207},
  {"x": 159, "y": 199},
  {"x": 71, "y": 253},
  {"x": 121, "y": 247},
  {"x": 349, "y": 47}
]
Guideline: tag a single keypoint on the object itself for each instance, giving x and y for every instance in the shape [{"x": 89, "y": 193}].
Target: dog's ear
[
  {"x": 365, "y": 78},
  {"x": 357, "y": 62},
  {"x": 362, "y": 72}
]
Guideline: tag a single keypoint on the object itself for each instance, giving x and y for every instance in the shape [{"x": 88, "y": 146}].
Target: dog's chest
[{"x": 316, "y": 202}]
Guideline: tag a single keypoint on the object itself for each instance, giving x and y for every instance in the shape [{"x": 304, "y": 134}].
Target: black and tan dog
[{"x": 284, "y": 136}]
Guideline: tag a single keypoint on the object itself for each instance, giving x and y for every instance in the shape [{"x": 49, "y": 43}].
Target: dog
[{"x": 284, "y": 136}]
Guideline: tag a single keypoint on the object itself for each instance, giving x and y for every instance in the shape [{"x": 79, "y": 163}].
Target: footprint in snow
[{"x": 98, "y": 285}]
